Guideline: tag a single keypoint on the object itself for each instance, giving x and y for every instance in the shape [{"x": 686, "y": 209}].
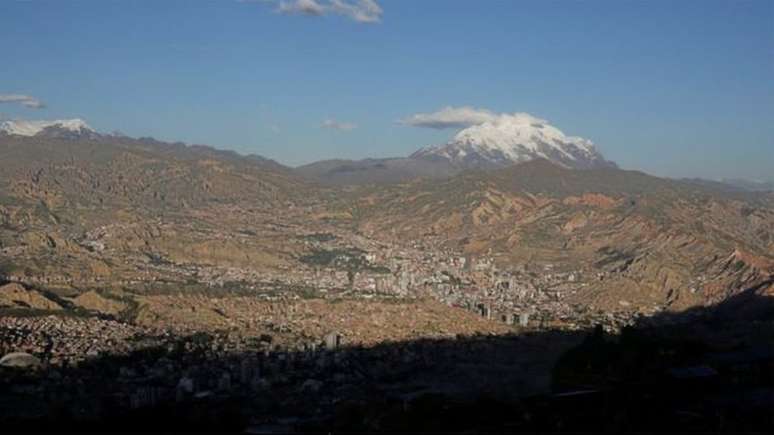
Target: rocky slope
[{"x": 73, "y": 209}]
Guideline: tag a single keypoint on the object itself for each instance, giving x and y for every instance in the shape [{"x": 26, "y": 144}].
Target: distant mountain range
[
  {"x": 734, "y": 184},
  {"x": 63, "y": 128},
  {"x": 498, "y": 143},
  {"x": 750, "y": 185}
]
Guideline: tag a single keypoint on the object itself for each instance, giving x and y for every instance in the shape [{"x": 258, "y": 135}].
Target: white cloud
[
  {"x": 302, "y": 7},
  {"x": 336, "y": 125},
  {"x": 24, "y": 100},
  {"x": 361, "y": 11},
  {"x": 450, "y": 117},
  {"x": 465, "y": 116}
]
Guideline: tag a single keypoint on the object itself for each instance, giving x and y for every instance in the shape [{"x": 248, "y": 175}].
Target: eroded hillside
[{"x": 635, "y": 239}]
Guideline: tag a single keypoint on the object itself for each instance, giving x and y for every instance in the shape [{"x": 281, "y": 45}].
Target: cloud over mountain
[
  {"x": 451, "y": 117},
  {"x": 25, "y": 100}
]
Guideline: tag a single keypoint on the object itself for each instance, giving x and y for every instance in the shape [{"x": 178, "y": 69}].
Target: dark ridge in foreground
[{"x": 705, "y": 369}]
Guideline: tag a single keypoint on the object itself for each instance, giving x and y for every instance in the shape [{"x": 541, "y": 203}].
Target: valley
[{"x": 258, "y": 279}]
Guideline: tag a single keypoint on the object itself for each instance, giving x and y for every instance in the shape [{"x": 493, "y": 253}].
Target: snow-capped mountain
[
  {"x": 63, "y": 128},
  {"x": 514, "y": 138}
]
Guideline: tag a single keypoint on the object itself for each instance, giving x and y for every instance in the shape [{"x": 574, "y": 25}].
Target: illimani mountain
[
  {"x": 500, "y": 141},
  {"x": 517, "y": 138}
]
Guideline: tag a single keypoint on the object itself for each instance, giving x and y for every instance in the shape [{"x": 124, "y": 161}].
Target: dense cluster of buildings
[{"x": 345, "y": 264}]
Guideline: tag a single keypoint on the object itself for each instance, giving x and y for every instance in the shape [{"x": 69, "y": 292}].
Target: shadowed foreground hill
[{"x": 702, "y": 370}]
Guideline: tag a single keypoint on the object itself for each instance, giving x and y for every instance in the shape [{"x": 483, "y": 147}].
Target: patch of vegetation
[
  {"x": 64, "y": 303},
  {"x": 351, "y": 260},
  {"x": 341, "y": 258},
  {"x": 128, "y": 314},
  {"x": 307, "y": 293},
  {"x": 612, "y": 256},
  {"x": 36, "y": 312},
  {"x": 157, "y": 260},
  {"x": 453, "y": 279},
  {"x": 541, "y": 235},
  {"x": 396, "y": 300},
  {"x": 318, "y": 237},
  {"x": 42, "y": 211},
  {"x": 377, "y": 298},
  {"x": 5, "y": 269},
  {"x": 379, "y": 269},
  {"x": 7, "y": 200}
]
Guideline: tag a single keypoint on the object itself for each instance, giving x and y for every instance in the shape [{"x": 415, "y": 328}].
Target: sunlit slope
[{"x": 639, "y": 239}]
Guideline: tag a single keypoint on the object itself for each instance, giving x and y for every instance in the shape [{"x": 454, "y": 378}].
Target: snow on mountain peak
[
  {"x": 504, "y": 139},
  {"x": 32, "y": 128}
]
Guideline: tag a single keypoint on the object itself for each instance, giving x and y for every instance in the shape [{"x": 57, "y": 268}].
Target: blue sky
[{"x": 675, "y": 88}]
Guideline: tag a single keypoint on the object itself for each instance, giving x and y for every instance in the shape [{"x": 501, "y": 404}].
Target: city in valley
[{"x": 496, "y": 274}]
